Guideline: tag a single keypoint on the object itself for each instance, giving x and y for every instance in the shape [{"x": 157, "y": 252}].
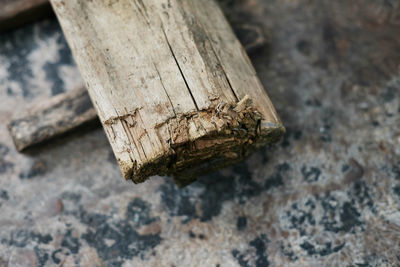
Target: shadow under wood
[{"x": 29, "y": 15}]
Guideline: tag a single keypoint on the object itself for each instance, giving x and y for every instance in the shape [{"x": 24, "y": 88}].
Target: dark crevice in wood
[
  {"x": 163, "y": 86},
  {"x": 180, "y": 70}
]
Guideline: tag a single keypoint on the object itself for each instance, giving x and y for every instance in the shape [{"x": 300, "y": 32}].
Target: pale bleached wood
[
  {"x": 65, "y": 112},
  {"x": 172, "y": 85}
]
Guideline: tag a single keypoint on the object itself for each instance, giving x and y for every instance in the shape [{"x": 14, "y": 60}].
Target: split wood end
[{"x": 198, "y": 142}]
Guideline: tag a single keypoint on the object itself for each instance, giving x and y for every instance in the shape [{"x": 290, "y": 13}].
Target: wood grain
[
  {"x": 170, "y": 82},
  {"x": 52, "y": 118},
  {"x": 62, "y": 115}
]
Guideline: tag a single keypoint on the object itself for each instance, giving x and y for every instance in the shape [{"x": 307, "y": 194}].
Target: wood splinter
[{"x": 173, "y": 87}]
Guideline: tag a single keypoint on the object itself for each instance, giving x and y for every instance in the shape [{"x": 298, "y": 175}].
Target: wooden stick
[
  {"x": 58, "y": 119},
  {"x": 170, "y": 82},
  {"x": 52, "y": 118},
  {"x": 60, "y": 116},
  {"x": 14, "y": 13}
]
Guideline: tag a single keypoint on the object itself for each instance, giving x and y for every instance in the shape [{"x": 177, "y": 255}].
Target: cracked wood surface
[
  {"x": 172, "y": 85},
  {"x": 72, "y": 109}
]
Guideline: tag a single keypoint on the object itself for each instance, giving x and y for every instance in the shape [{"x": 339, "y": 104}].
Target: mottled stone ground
[{"x": 327, "y": 195}]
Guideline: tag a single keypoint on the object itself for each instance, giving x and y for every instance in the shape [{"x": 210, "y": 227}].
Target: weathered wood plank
[
  {"x": 52, "y": 118},
  {"x": 58, "y": 116},
  {"x": 170, "y": 82}
]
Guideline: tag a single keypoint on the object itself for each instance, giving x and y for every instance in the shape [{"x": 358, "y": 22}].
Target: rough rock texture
[{"x": 328, "y": 195}]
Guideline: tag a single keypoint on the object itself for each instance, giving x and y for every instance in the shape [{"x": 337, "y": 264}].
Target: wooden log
[
  {"x": 14, "y": 13},
  {"x": 170, "y": 82},
  {"x": 52, "y": 118}
]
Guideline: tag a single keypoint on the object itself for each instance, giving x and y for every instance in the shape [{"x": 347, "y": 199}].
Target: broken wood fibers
[{"x": 174, "y": 89}]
